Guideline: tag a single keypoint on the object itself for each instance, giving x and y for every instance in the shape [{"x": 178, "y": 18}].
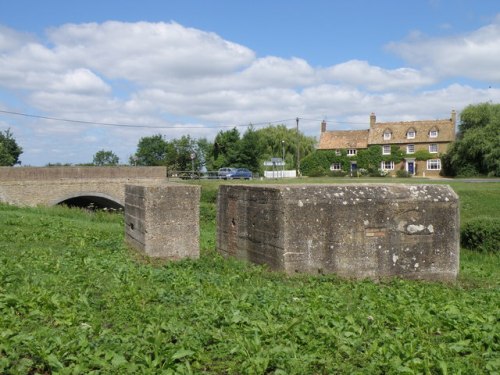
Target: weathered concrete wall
[
  {"x": 163, "y": 220},
  {"x": 360, "y": 231}
]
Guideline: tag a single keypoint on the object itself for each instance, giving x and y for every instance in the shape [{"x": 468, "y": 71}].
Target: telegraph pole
[
  {"x": 283, "y": 166},
  {"x": 298, "y": 148}
]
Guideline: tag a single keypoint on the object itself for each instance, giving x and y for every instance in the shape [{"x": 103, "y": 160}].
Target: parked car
[
  {"x": 223, "y": 172},
  {"x": 242, "y": 173}
]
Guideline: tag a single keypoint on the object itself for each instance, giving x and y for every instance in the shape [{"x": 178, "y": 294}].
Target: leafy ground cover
[{"x": 75, "y": 300}]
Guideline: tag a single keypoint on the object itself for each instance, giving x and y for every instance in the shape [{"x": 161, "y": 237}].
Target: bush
[
  {"x": 481, "y": 234},
  {"x": 377, "y": 173},
  {"x": 317, "y": 172},
  {"x": 337, "y": 174},
  {"x": 363, "y": 172},
  {"x": 402, "y": 173},
  {"x": 467, "y": 170}
]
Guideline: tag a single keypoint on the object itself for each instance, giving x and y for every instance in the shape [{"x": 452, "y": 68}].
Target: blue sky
[{"x": 198, "y": 67}]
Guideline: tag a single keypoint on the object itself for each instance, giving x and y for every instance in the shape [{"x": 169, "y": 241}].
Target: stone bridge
[{"x": 74, "y": 186}]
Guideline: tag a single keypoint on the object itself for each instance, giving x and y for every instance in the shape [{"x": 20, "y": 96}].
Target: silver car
[{"x": 223, "y": 172}]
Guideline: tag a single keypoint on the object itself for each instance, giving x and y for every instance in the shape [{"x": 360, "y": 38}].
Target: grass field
[{"x": 75, "y": 300}]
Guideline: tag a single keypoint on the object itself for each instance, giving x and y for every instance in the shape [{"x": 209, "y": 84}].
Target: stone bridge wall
[
  {"x": 32, "y": 186},
  {"x": 89, "y": 173}
]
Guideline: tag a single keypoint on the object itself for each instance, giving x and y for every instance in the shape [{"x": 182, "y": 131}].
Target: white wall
[{"x": 280, "y": 174}]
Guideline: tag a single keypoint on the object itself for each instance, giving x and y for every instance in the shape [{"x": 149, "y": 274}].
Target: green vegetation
[
  {"x": 75, "y": 300},
  {"x": 369, "y": 161},
  {"x": 477, "y": 149},
  {"x": 105, "y": 158},
  {"x": 229, "y": 149},
  {"x": 9, "y": 149},
  {"x": 481, "y": 234}
]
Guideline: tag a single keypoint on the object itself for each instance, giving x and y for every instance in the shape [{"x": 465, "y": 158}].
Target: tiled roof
[
  {"x": 343, "y": 139},
  {"x": 445, "y": 129}
]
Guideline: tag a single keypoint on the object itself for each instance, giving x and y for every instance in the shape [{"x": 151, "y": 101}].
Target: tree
[
  {"x": 226, "y": 148},
  {"x": 105, "y": 158},
  {"x": 175, "y": 154},
  {"x": 203, "y": 154},
  {"x": 250, "y": 151},
  {"x": 151, "y": 151},
  {"x": 272, "y": 137},
  {"x": 184, "y": 148},
  {"x": 9, "y": 149},
  {"x": 477, "y": 148}
]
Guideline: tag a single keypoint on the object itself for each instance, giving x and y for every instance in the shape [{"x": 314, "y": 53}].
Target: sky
[{"x": 77, "y": 77}]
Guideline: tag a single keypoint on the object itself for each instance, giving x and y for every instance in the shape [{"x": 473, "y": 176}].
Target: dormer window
[
  {"x": 433, "y": 133},
  {"x": 387, "y": 135},
  {"x": 410, "y": 134}
]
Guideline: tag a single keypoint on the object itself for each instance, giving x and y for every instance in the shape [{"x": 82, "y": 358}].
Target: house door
[
  {"x": 411, "y": 167},
  {"x": 354, "y": 167}
]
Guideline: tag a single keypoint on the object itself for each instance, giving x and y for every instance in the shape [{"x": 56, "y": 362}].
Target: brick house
[{"x": 432, "y": 136}]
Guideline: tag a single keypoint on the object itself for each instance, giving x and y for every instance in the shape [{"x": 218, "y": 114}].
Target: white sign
[{"x": 274, "y": 163}]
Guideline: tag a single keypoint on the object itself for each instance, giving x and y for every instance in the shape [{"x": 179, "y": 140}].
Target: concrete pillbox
[
  {"x": 162, "y": 220},
  {"x": 354, "y": 230}
]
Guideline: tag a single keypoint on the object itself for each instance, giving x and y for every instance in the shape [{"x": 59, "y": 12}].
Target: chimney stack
[
  {"x": 453, "y": 117},
  {"x": 373, "y": 119},
  {"x": 454, "y": 121},
  {"x": 323, "y": 126}
]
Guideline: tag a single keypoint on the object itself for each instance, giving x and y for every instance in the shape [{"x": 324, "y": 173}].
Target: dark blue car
[{"x": 242, "y": 173}]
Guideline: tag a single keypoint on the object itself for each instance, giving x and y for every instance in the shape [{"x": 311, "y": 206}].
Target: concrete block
[
  {"x": 162, "y": 220},
  {"x": 354, "y": 230}
]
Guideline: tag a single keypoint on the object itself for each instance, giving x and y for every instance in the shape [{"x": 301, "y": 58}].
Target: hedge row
[{"x": 481, "y": 234}]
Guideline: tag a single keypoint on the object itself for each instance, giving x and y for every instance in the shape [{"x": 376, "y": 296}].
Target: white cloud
[
  {"x": 362, "y": 74},
  {"x": 11, "y": 39},
  {"x": 80, "y": 81},
  {"x": 278, "y": 72},
  {"x": 473, "y": 55},
  {"x": 147, "y": 52}
]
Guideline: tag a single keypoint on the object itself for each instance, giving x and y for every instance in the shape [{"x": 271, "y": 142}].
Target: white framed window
[
  {"x": 434, "y": 164},
  {"x": 387, "y": 135},
  {"x": 337, "y": 152},
  {"x": 433, "y": 148},
  {"x": 410, "y": 149},
  {"x": 410, "y": 134},
  {"x": 386, "y": 149},
  {"x": 351, "y": 152},
  {"x": 336, "y": 167},
  {"x": 387, "y": 165},
  {"x": 433, "y": 133}
]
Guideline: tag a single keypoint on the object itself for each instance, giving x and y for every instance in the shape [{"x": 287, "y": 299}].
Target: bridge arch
[{"x": 90, "y": 199}]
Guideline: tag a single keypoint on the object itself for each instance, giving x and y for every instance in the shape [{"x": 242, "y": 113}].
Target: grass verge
[{"x": 73, "y": 301}]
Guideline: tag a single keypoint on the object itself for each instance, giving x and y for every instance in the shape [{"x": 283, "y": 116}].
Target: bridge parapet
[
  {"x": 47, "y": 186},
  {"x": 90, "y": 172}
]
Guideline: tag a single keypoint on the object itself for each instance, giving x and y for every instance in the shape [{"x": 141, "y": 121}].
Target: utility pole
[
  {"x": 298, "y": 148},
  {"x": 283, "y": 166}
]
